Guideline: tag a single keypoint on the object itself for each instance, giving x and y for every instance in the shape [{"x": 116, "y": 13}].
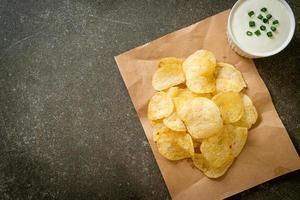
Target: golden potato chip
[
  {"x": 173, "y": 92},
  {"x": 175, "y": 145},
  {"x": 216, "y": 149},
  {"x": 250, "y": 114},
  {"x": 230, "y": 105},
  {"x": 167, "y": 75},
  {"x": 201, "y": 84},
  {"x": 228, "y": 78},
  {"x": 188, "y": 94},
  {"x": 238, "y": 137},
  {"x": 199, "y": 162},
  {"x": 169, "y": 61},
  {"x": 200, "y": 63},
  {"x": 174, "y": 123},
  {"x": 201, "y": 116},
  {"x": 156, "y": 122},
  {"x": 160, "y": 106},
  {"x": 212, "y": 172},
  {"x": 159, "y": 127}
]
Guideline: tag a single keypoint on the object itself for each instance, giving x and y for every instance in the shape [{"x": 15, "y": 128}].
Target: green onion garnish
[
  {"x": 252, "y": 23},
  {"x": 260, "y": 16},
  {"x": 275, "y": 22},
  {"x": 263, "y": 9},
  {"x": 273, "y": 28},
  {"x": 265, "y": 20},
  {"x": 257, "y": 33},
  {"x": 249, "y": 33},
  {"x": 269, "y": 34},
  {"x": 269, "y": 16},
  {"x": 251, "y": 13},
  {"x": 262, "y": 27}
]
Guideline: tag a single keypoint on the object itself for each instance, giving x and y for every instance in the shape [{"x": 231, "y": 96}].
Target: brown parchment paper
[{"x": 269, "y": 151}]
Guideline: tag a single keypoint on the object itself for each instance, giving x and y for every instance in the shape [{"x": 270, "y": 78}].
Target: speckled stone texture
[{"x": 68, "y": 129}]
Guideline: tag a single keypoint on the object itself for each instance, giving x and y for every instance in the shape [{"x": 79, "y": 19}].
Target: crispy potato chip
[
  {"x": 201, "y": 116},
  {"x": 186, "y": 94},
  {"x": 238, "y": 138},
  {"x": 228, "y": 78},
  {"x": 174, "y": 123},
  {"x": 169, "y": 61},
  {"x": 230, "y": 105},
  {"x": 216, "y": 149},
  {"x": 173, "y": 92},
  {"x": 168, "y": 74},
  {"x": 156, "y": 122},
  {"x": 212, "y": 172},
  {"x": 175, "y": 145},
  {"x": 201, "y": 84},
  {"x": 200, "y": 63},
  {"x": 219, "y": 171},
  {"x": 159, "y": 127},
  {"x": 250, "y": 114},
  {"x": 199, "y": 162},
  {"x": 160, "y": 106}
]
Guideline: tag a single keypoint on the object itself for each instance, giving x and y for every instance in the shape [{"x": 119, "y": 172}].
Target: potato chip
[
  {"x": 159, "y": 127},
  {"x": 169, "y": 61},
  {"x": 238, "y": 138},
  {"x": 250, "y": 114},
  {"x": 216, "y": 149},
  {"x": 175, "y": 145},
  {"x": 230, "y": 105},
  {"x": 201, "y": 116},
  {"x": 201, "y": 84},
  {"x": 200, "y": 63},
  {"x": 174, "y": 123},
  {"x": 156, "y": 122},
  {"x": 173, "y": 92},
  {"x": 160, "y": 106},
  {"x": 199, "y": 162},
  {"x": 169, "y": 74},
  {"x": 212, "y": 172},
  {"x": 228, "y": 78},
  {"x": 188, "y": 94}
]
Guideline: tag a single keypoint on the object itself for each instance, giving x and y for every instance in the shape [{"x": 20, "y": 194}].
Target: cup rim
[{"x": 265, "y": 54}]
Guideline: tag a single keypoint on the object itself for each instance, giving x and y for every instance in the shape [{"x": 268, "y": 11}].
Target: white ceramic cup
[{"x": 243, "y": 52}]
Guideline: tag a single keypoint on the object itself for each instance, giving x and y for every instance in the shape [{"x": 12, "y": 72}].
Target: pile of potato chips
[{"x": 200, "y": 112}]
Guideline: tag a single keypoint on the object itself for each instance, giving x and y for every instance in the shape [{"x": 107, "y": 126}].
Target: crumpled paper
[{"x": 269, "y": 151}]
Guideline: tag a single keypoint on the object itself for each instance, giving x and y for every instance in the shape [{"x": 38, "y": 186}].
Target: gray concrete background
[{"x": 68, "y": 129}]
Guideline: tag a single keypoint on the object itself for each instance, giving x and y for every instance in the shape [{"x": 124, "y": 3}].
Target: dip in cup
[{"x": 260, "y": 28}]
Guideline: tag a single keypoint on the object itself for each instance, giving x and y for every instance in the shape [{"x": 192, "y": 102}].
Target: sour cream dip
[{"x": 260, "y": 28}]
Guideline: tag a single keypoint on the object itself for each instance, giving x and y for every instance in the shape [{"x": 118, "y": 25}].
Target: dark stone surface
[{"x": 68, "y": 129}]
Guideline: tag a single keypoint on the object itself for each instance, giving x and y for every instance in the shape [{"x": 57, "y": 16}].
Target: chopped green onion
[
  {"x": 249, "y": 33},
  {"x": 251, "y": 13},
  {"x": 257, "y": 33},
  {"x": 265, "y": 20},
  {"x": 275, "y": 22},
  {"x": 264, "y": 9},
  {"x": 269, "y": 16},
  {"x": 273, "y": 28},
  {"x": 262, "y": 27},
  {"x": 260, "y": 16},
  {"x": 269, "y": 34},
  {"x": 252, "y": 23}
]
